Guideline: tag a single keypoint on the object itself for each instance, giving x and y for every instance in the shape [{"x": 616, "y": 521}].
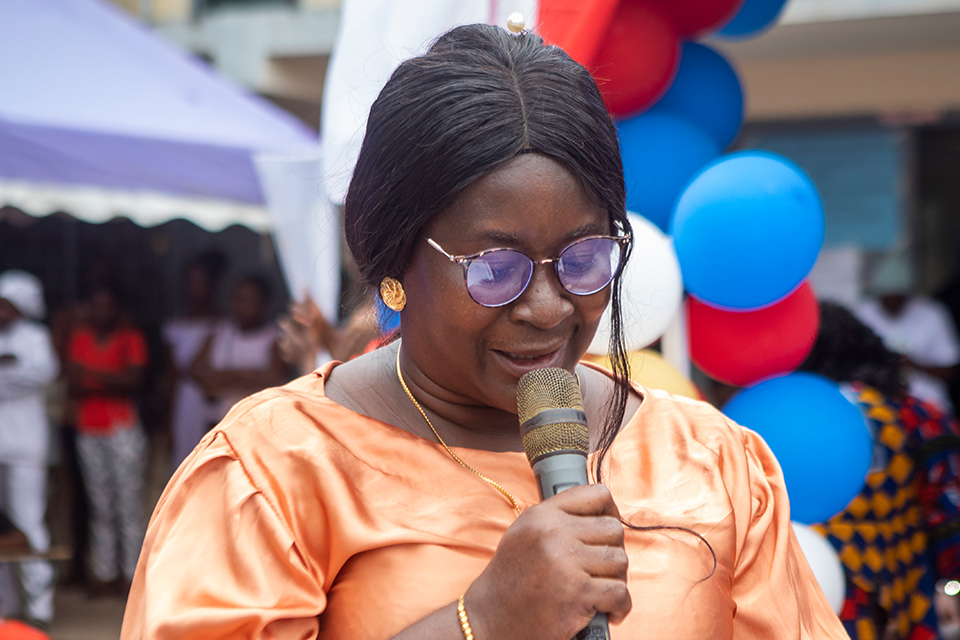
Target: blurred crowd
[
  {"x": 75, "y": 386},
  {"x": 75, "y": 383}
]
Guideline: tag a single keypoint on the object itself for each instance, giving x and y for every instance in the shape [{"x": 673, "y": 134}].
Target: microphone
[{"x": 553, "y": 429}]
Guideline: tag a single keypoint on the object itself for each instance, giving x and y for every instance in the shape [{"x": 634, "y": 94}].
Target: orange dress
[{"x": 298, "y": 518}]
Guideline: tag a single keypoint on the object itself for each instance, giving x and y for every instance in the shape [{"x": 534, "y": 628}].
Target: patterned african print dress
[{"x": 901, "y": 533}]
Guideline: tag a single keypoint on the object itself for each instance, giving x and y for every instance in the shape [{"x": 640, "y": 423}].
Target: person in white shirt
[
  {"x": 184, "y": 336},
  {"x": 27, "y": 365},
  {"x": 241, "y": 355},
  {"x": 916, "y": 327}
]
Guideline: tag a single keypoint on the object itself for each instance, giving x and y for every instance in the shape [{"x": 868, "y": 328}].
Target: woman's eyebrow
[
  {"x": 499, "y": 237},
  {"x": 589, "y": 229}
]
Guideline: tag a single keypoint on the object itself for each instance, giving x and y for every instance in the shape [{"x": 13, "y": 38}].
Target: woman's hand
[
  {"x": 296, "y": 345},
  {"x": 559, "y": 564}
]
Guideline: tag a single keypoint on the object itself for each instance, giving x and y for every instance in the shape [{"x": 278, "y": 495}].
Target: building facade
[{"x": 863, "y": 94}]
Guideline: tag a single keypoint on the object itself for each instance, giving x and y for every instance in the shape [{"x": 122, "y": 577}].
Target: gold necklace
[{"x": 493, "y": 483}]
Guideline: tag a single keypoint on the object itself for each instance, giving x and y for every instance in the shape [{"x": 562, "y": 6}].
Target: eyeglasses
[{"x": 496, "y": 277}]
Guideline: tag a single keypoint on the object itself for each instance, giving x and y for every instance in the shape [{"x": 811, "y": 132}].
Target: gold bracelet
[{"x": 464, "y": 621}]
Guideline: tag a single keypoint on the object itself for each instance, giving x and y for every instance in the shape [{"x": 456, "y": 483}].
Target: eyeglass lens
[{"x": 499, "y": 277}]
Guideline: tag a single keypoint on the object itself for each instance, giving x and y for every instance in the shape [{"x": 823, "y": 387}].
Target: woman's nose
[{"x": 545, "y": 303}]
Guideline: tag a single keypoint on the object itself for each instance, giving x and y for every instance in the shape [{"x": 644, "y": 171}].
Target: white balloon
[
  {"x": 825, "y": 562},
  {"x": 652, "y": 290}
]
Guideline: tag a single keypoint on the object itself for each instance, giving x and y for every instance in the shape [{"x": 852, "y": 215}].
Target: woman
[
  {"x": 901, "y": 533},
  {"x": 240, "y": 355},
  {"x": 362, "y": 500},
  {"x": 184, "y": 336},
  {"x": 105, "y": 366}
]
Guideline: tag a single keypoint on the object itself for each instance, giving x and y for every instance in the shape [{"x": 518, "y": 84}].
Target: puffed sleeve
[
  {"x": 220, "y": 559},
  {"x": 776, "y": 593}
]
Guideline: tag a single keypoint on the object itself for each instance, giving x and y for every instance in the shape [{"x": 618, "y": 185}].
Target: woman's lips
[{"x": 520, "y": 363}]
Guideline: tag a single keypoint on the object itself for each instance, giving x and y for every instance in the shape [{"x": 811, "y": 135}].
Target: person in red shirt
[
  {"x": 105, "y": 367},
  {"x": 16, "y": 630}
]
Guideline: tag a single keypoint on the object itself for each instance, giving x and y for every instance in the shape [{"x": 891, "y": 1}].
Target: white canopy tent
[{"x": 100, "y": 118}]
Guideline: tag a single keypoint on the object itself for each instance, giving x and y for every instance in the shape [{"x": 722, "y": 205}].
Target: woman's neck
[
  {"x": 202, "y": 311},
  {"x": 249, "y": 326},
  {"x": 457, "y": 422},
  {"x": 370, "y": 386}
]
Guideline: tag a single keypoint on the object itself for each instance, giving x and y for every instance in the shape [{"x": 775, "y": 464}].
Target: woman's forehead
[{"x": 528, "y": 192}]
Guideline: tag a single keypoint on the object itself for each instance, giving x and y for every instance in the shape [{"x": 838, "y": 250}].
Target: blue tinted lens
[
  {"x": 498, "y": 277},
  {"x": 589, "y": 265}
]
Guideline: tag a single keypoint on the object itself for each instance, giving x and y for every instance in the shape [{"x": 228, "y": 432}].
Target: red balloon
[
  {"x": 744, "y": 347},
  {"x": 638, "y": 59},
  {"x": 576, "y": 26},
  {"x": 693, "y": 18}
]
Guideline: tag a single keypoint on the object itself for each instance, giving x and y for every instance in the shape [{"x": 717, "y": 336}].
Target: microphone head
[{"x": 550, "y": 409}]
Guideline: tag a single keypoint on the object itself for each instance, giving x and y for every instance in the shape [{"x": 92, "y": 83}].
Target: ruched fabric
[{"x": 298, "y": 518}]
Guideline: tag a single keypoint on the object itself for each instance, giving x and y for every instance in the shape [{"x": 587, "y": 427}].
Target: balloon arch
[{"x": 723, "y": 245}]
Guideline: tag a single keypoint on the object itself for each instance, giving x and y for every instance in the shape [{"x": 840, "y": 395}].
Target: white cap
[
  {"x": 893, "y": 275},
  {"x": 24, "y": 291}
]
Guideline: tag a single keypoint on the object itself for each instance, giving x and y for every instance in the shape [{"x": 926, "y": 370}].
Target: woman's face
[
  {"x": 197, "y": 286},
  {"x": 477, "y": 354},
  {"x": 8, "y": 313},
  {"x": 104, "y": 311},
  {"x": 248, "y": 305}
]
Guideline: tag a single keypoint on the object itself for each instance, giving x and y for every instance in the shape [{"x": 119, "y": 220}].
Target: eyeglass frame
[{"x": 464, "y": 261}]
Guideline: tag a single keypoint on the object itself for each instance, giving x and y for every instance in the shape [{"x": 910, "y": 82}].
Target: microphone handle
[
  {"x": 598, "y": 629},
  {"x": 557, "y": 473}
]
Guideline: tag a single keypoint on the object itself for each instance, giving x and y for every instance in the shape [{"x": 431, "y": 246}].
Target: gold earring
[{"x": 393, "y": 294}]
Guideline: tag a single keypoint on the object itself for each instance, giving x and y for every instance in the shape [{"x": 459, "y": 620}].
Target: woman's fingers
[
  {"x": 573, "y": 542},
  {"x": 605, "y": 562},
  {"x": 588, "y": 500},
  {"x": 596, "y": 518},
  {"x": 611, "y": 596},
  {"x": 601, "y": 531}
]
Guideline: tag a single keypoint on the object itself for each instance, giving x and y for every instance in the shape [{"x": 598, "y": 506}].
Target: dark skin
[
  {"x": 462, "y": 362},
  {"x": 8, "y": 315},
  {"x": 248, "y": 310},
  {"x": 198, "y": 289},
  {"x": 105, "y": 318},
  {"x": 305, "y": 331}
]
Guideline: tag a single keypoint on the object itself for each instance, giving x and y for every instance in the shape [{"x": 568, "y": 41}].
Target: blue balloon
[
  {"x": 747, "y": 230},
  {"x": 819, "y": 437},
  {"x": 706, "y": 92},
  {"x": 754, "y": 16},
  {"x": 661, "y": 153}
]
